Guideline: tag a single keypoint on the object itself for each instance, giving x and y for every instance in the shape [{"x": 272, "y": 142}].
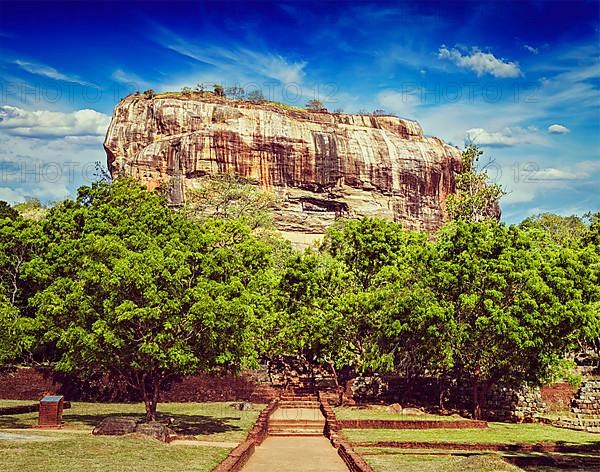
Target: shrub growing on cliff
[
  {"x": 218, "y": 90},
  {"x": 315, "y": 105},
  {"x": 135, "y": 290},
  {"x": 255, "y": 96}
]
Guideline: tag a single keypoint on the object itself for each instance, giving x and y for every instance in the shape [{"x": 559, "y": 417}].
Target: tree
[
  {"x": 219, "y": 90},
  {"x": 20, "y": 241},
  {"x": 234, "y": 92},
  {"x": 379, "y": 112},
  {"x": 314, "y": 321},
  {"x": 475, "y": 198},
  {"x": 230, "y": 197},
  {"x": 332, "y": 302},
  {"x": 134, "y": 290},
  {"x": 315, "y": 105},
  {"x": 31, "y": 209},
  {"x": 6, "y": 211},
  {"x": 366, "y": 246},
  {"x": 566, "y": 231},
  {"x": 255, "y": 96},
  {"x": 592, "y": 235},
  {"x": 11, "y": 331},
  {"x": 513, "y": 309}
]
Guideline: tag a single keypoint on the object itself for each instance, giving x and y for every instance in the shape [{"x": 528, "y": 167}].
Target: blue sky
[{"x": 519, "y": 78}]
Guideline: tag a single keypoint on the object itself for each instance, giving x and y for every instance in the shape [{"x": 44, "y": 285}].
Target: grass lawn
[
  {"x": 79, "y": 451},
  {"x": 497, "y": 433},
  {"x": 384, "y": 460},
  {"x": 381, "y": 413},
  {"x": 416, "y": 460},
  {"x": 206, "y": 421}
]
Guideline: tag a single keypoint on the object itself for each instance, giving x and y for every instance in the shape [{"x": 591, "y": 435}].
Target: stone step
[
  {"x": 298, "y": 398},
  {"x": 296, "y": 433},
  {"x": 297, "y": 429},
  {"x": 297, "y": 423},
  {"x": 287, "y": 404}
]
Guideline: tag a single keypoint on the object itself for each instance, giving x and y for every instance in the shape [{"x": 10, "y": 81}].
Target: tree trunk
[
  {"x": 150, "y": 394},
  {"x": 476, "y": 400},
  {"x": 441, "y": 392},
  {"x": 150, "y": 410},
  {"x": 480, "y": 390},
  {"x": 338, "y": 388}
]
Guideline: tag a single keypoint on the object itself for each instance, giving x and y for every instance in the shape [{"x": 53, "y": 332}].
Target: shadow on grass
[
  {"x": 16, "y": 422},
  {"x": 181, "y": 424},
  {"x": 554, "y": 461}
]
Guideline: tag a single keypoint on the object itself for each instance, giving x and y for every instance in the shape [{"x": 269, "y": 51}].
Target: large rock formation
[{"x": 321, "y": 165}]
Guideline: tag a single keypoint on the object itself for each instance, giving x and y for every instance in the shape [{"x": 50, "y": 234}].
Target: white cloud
[
  {"x": 242, "y": 61},
  {"x": 47, "y": 169},
  {"x": 45, "y": 71},
  {"x": 558, "y": 129},
  {"x": 52, "y": 124},
  {"x": 403, "y": 104},
  {"x": 531, "y": 49},
  {"x": 505, "y": 137},
  {"x": 129, "y": 78},
  {"x": 579, "y": 171},
  {"x": 480, "y": 62},
  {"x": 45, "y": 191}
]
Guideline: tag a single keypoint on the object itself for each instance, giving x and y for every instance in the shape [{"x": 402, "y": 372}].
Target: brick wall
[
  {"x": 33, "y": 383},
  {"x": 558, "y": 396},
  {"x": 28, "y": 383}
]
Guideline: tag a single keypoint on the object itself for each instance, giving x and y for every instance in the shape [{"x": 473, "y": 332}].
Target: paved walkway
[
  {"x": 297, "y": 414},
  {"x": 295, "y": 454}
]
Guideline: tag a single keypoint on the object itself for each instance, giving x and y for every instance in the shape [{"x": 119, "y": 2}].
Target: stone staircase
[
  {"x": 298, "y": 414},
  {"x": 298, "y": 401},
  {"x": 300, "y": 427}
]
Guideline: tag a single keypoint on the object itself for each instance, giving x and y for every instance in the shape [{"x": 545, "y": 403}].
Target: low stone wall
[
  {"x": 411, "y": 424},
  {"x": 587, "y": 399},
  {"x": 238, "y": 457},
  {"x": 261, "y": 428},
  {"x": 351, "y": 458},
  {"x": 510, "y": 405},
  {"x": 538, "y": 447}
]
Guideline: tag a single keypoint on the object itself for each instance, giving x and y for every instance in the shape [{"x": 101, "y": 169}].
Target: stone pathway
[
  {"x": 295, "y": 454},
  {"x": 296, "y": 444},
  {"x": 4, "y": 436}
]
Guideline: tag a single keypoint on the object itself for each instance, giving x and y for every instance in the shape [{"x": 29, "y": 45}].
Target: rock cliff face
[{"x": 321, "y": 165}]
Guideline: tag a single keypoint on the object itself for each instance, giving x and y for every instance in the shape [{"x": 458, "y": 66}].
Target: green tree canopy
[
  {"x": 515, "y": 309},
  {"x": 6, "y": 211},
  {"x": 475, "y": 198},
  {"x": 134, "y": 289},
  {"x": 566, "y": 231}
]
